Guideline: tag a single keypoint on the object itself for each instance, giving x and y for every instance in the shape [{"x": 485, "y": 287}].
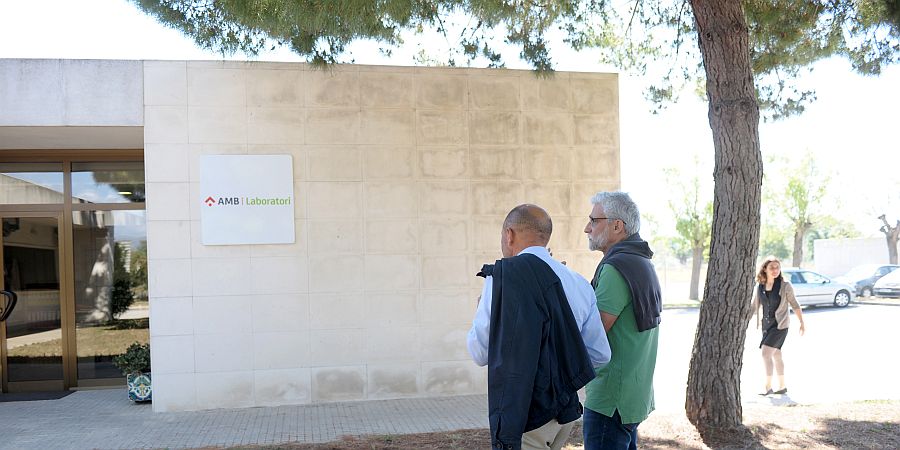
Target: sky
[{"x": 851, "y": 128}]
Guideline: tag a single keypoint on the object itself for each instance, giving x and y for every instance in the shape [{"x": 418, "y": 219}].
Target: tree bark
[
  {"x": 892, "y": 235},
  {"x": 696, "y": 264},
  {"x": 799, "y": 236},
  {"x": 713, "y": 393}
]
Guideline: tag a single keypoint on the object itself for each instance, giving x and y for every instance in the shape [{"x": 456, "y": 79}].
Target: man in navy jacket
[{"x": 539, "y": 332}]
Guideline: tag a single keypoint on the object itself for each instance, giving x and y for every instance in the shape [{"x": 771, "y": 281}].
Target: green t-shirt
[{"x": 626, "y": 383}]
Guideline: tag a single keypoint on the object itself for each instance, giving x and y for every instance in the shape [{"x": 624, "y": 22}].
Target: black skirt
[{"x": 772, "y": 336}]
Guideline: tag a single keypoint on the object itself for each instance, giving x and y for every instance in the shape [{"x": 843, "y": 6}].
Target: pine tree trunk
[
  {"x": 713, "y": 394},
  {"x": 697, "y": 262},
  {"x": 797, "y": 260}
]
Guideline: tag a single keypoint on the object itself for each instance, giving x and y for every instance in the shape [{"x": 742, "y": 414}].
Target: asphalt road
[{"x": 847, "y": 354}]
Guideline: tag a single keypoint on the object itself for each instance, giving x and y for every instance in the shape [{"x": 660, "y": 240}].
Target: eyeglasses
[{"x": 594, "y": 220}]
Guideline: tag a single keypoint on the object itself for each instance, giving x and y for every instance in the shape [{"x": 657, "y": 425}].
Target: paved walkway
[{"x": 105, "y": 419}]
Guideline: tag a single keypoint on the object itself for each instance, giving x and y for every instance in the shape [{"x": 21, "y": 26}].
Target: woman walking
[{"x": 774, "y": 294}]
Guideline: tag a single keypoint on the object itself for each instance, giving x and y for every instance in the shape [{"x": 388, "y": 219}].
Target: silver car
[
  {"x": 812, "y": 288},
  {"x": 888, "y": 285}
]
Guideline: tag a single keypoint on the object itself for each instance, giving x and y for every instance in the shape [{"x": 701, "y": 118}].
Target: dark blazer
[{"x": 537, "y": 360}]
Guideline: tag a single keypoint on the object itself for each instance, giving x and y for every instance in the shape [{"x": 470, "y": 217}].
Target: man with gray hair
[
  {"x": 539, "y": 332},
  {"x": 628, "y": 297}
]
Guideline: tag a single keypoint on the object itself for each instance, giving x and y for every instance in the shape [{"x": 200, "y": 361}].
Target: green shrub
[{"x": 135, "y": 359}]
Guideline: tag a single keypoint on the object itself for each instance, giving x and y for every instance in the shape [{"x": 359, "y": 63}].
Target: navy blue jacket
[
  {"x": 537, "y": 360},
  {"x": 631, "y": 257}
]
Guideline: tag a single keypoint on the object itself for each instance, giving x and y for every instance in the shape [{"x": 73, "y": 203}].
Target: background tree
[
  {"x": 693, "y": 221},
  {"x": 798, "y": 194},
  {"x": 891, "y": 234},
  {"x": 772, "y": 39}
]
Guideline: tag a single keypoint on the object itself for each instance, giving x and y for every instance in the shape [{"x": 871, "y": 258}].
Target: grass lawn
[{"x": 103, "y": 340}]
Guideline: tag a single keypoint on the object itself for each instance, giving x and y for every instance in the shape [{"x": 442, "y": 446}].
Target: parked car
[
  {"x": 863, "y": 277},
  {"x": 813, "y": 288},
  {"x": 888, "y": 285}
]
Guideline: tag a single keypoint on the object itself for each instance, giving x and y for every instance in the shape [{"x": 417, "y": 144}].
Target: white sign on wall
[{"x": 246, "y": 199}]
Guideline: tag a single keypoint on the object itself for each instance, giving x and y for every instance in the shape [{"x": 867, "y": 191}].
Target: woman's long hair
[{"x": 761, "y": 275}]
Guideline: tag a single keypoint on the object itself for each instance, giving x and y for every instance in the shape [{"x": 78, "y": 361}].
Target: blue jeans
[{"x": 603, "y": 432}]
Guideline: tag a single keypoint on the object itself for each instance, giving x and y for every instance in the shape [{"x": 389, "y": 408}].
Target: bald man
[{"x": 539, "y": 332}]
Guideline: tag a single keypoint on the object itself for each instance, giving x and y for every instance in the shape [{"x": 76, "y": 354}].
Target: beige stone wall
[{"x": 402, "y": 178}]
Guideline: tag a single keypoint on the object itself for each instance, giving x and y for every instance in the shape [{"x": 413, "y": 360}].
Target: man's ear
[{"x": 510, "y": 236}]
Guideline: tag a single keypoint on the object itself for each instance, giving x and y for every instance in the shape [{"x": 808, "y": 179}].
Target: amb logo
[
  {"x": 222, "y": 201},
  {"x": 247, "y": 201}
]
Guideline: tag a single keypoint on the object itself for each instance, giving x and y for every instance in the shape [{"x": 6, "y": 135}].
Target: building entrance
[{"x": 74, "y": 259}]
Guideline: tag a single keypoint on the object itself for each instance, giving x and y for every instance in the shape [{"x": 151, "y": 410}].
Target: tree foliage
[
  {"x": 796, "y": 192},
  {"x": 786, "y": 36}
]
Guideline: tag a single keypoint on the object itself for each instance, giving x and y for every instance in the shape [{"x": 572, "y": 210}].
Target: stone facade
[{"x": 402, "y": 179}]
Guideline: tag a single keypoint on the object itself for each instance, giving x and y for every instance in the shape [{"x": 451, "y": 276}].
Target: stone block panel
[
  {"x": 165, "y": 83},
  {"x": 390, "y": 162},
  {"x": 337, "y": 347},
  {"x": 217, "y": 125},
  {"x": 440, "y": 91},
  {"x": 486, "y": 233},
  {"x": 337, "y": 310},
  {"x": 394, "y": 380},
  {"x": 547, "y": 163},
  {"x": 553, "y": 197},
  {"x": 332, "y": 87},
  {"x": 334, "y": 384},
  {"x": 443, "y": 162},
  {"x": 390, "y": 309},
  {"x": 445, "y": 342},
  {"x": 543, "y": 128},
  {"x": 494, "y": 92},
  {"x": 221, "y": 314},
  {"x": 216, "y": 87},
  {"x": 444, "y": 272},
  {"x": 392, "y": 344},
  {"x": 441, "y": 127},
  {"x": 448, "y": 306},
  {"x": 334, "y": 163},
  {"x": 279, "y": 313},
  {"x": 599, "y": 163},
  {"x": 165, "y": 125},
  {"x": 391, "y": 199},
  {"x": 387, "y": 126},
  {"x": 332, "y": 126},
  {"x": 595, "y": 93},
  {"x": 443, "y": 198},
  {"x": 238, "y": 385},
  {"x": 280, "y": 350},
  {"x": 391, "y": 236},
  {"x": 282, "y": 387},
  {"x": 551, "y": 94},
  {"x": 496, "y": 198},
  {"x": 224, "y": 352},
  {"x": 331, "y": 237},
  {"x": 453, "y": 378},
  {"x": 335, "y": 200},
  {"x": 275, "y": 125},
  {"x": 333, "y": 273},
  {"x": 386, "y": 89},
  {"x": 495, "y": 162},
  {"x": 597, "y": 129},
  {"x": 447, "y": 236},
  {"x": 386, "y": 272},
  {"x": 494, "y": 127},
  {"x": 282, "y": 88}
]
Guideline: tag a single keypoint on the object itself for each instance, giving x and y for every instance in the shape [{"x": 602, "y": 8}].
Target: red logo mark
[{"x": 209, "y": 201}]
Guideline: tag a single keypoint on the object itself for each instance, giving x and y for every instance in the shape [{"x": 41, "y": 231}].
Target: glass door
[{"x": 32, "y": 341}]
